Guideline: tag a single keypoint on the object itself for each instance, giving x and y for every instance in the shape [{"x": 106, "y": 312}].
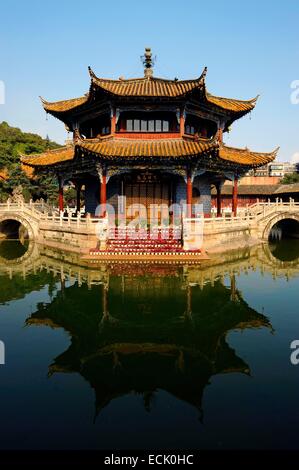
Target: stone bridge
[{"x": 46, "y": 226}]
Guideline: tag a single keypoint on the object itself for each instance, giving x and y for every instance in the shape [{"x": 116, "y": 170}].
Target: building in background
[{"x": 275, "y": 169}]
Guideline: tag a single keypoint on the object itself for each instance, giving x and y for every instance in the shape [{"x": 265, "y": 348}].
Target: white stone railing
[{"x": 48, "y": 216}]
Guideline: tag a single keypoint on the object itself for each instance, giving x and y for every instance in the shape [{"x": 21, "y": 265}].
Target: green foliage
[
  {"x": 14, "y": 142},
  {"x": 290, "y": 178}
]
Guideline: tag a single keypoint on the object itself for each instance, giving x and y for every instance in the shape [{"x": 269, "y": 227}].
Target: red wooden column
[
  {"x": 113, "y": 120},
  {"x": 103, "y": 192},
  {"x": 235, "y": 196},
  {"x": 189, "y": 193},
  {"x": 60, "y": 195},
  {"x": 182, "y": 121},
  {"x": 218, "y": 189}
]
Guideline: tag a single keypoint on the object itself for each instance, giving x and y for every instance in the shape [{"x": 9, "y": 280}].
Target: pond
[{"x": 149, "y": 356}]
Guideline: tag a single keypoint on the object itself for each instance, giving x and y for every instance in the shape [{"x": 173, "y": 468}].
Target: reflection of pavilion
[{"x": 145, "y": 333}]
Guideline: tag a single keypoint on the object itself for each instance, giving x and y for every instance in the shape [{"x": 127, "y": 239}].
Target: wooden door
[{"x": 147, "y": 194}]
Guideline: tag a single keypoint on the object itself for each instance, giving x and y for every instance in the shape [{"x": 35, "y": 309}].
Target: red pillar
[
  {"x": 218, "y": 189},
  {"x": 235, "y": 197},
  {"x": 113, "y": 121},
  {"x": 103, "y": 193},
  {"x": 60, "y": 197},
  {"x": 189, "y": 194},
  {"x": 182, "y": 122}
]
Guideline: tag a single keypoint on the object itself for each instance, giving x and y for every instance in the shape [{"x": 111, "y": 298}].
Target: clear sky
[{"x": 249, "y": 48}]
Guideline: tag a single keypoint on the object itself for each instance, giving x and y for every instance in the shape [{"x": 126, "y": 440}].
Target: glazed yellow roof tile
[
  {"x": 64, "y": 105},
  {"x": 51, "y": 157},
  {"x": 127, "y": 149},
  {"x": 246, "y": 156},
  {"x": 163, "y": 148},
  {"x": 148, "y": 87},
  {"x": 230, "y": 104}
]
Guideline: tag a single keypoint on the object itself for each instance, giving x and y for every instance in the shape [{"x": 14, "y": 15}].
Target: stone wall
[{"x": 69, "y": 239}]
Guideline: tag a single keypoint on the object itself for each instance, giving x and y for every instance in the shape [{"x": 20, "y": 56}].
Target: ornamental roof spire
[{"x": 148, "y": 62}]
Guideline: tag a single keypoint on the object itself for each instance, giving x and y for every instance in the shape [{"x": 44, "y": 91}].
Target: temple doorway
[{"x": 147, "y": 190}]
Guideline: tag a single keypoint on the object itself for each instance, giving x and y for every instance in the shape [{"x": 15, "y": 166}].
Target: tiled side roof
[
  {"x": 65, "y": 105},
  {"x": 246, "y": 156},
  {"x": 249, "y": 189},
  {"x": 51, "y": 157},
  {"x": 288, "y": 188},
  {"x": 129, "y": 148},
  {"x": 164, "y": 148},
  {"x": 232, "y": 105}
]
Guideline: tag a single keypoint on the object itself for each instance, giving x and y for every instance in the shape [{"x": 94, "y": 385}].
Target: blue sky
[{"x": 249, "y": 48}]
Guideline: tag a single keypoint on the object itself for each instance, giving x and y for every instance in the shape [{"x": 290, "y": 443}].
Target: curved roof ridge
[
  {"x": 252, "y": 100},
  {"x": 246, "y": 149},
  {"x": 64, "y": 105},
  {"x": 55, "y": 155},
  {"x": 93, "y": 76}
]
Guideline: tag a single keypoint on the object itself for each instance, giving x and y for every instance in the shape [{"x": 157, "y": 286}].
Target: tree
[
  {"x": 14, "y": 142},
  {"x": 290, "y": 178}
]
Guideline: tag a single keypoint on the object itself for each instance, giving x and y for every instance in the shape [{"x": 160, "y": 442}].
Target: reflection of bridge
[
  {"x": 79, "y": 234},
  {"x": 69, "y": 266}
]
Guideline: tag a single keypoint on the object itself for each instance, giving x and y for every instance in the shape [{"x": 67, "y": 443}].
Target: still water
[{"x": 132, "y": 356}]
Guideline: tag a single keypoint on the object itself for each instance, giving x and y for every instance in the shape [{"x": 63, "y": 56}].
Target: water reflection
[
  {"x": 145, "y": 333},
  {"x": 140, "y": 328},
  {"x": 13, "y": 249},
  {"x": 285, "y": 250},
  {"x": 143, "y": 328},
  {"x": 159, "y": 334}
]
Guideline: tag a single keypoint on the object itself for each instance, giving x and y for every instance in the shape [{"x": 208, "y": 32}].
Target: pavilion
[{"x": 148, "y": 141}]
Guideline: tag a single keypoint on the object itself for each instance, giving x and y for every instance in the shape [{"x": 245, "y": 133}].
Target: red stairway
[{"x": 126, "y": 242}]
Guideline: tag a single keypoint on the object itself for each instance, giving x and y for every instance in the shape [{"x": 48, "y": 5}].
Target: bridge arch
[
  {"x": 286, "y": 223},
  {"x": 12, "y": 225}
]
